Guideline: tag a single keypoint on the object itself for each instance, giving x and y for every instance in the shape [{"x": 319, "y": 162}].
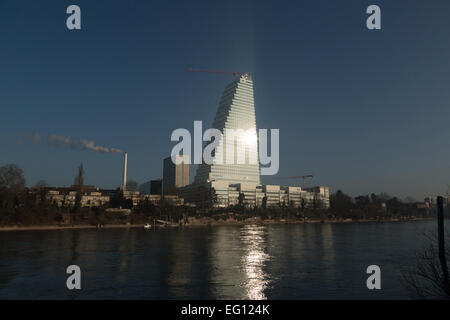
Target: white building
[
  {"x": 236, "y": 111},
  {"x": 155, "y": 199},
  {"x": 255, "y": 195},
  {"x": 67, "y": 197}
]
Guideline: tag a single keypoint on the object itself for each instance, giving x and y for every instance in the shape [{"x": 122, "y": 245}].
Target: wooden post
[{"x": 441, "y": 241}]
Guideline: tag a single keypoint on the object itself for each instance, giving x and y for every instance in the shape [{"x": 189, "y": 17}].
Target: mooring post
[{"x": 441, "y": 241}]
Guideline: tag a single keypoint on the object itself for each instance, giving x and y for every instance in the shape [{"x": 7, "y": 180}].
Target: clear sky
[{"x": 363, "y": 111}]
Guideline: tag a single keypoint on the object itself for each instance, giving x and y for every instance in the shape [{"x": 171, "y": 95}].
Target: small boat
[{"x": 147, "y": 226}]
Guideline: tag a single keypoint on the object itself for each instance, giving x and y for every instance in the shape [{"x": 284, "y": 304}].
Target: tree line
[{"x": 28, "y": 206}]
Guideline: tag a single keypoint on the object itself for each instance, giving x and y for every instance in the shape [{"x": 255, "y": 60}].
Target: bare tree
[
  {"x": 11, "y": 177},
  {"x": 410, "y": 199},
  {"x": 426, "y": 278},
  {"x": 41, "y": 184}
]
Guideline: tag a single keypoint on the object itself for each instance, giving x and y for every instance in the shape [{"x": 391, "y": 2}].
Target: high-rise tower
[
  {"x": 236, "y": 111},
  {"x": 175, "y": 175}
]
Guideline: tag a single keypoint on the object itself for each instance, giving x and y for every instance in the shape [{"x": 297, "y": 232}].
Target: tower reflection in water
[{"x": 254, "y": 261}]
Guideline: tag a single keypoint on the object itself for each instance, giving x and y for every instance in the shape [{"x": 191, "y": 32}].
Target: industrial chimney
[{"x": 124, "y": 184}]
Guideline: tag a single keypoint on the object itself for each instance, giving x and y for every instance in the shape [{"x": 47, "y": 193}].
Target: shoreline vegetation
[
  {"x": 25, "y": 208},
  {"x": 209, "y": 222}
]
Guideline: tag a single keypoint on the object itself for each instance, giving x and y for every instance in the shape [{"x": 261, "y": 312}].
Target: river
[{"x": 312, "y": 261}]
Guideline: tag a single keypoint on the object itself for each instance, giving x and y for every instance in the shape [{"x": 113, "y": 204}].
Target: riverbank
[
  {"x": 63, "y": 227},
  {"x": 210, "y": 222}
]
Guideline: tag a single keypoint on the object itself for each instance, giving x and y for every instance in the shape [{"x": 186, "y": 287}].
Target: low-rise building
[
  {"x": 90, "y": 197},
  {"x": 155, "y": 199},
  {"x": 321, "y": 196},
  {"x": 95, "y": 197},
  {"x": 225, "y": 194}
]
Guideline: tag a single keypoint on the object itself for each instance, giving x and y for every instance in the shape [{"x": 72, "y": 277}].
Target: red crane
[
  {"x": 234, "y": 73},
  {"x": 298, "y": 177}
]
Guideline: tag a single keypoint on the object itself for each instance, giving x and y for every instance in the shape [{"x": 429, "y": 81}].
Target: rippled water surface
[{"x": 316, "y": 261}]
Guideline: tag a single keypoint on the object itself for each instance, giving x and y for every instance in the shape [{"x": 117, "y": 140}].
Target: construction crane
[
  {"x": 298, "y": 177},
  {"x": 234, "y": 73}
]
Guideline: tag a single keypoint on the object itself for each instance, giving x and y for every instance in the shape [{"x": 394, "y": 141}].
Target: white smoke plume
[{"x": 80, "y": 144}]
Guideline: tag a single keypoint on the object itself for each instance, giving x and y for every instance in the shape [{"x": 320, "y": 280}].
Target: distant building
[
  {"x": 431, "y": 201},
  {"x": 95, "y": 197},
  {"x": 236, "y": 111},
  {"x": 255, "y": 195},
  {"x": 156, "y": 186},
  {"x": 321, "y": 196},
  {"x": 145, "y": 188},
  {"x": 151, "y": 187},
  {"x": 424, "y": 205},
  {"x": 90, "y": 196},
  {"x": 155, "y": 199},
  {"x": 175, "y": 175},
  {"x": 224, "y": 183}
]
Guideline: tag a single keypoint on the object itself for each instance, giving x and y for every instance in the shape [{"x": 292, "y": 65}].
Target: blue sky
[{"x": 364, "y": 111}]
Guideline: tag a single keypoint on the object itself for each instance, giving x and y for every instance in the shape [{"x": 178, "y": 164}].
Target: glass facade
[
  {"x": 236, "y": 112},
  {"x": 230, "y": 180}
]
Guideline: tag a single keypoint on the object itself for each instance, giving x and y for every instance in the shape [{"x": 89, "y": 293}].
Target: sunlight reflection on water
[
  {"x": 311, "y": 261},
  {"x": 254, "y": 260}
]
